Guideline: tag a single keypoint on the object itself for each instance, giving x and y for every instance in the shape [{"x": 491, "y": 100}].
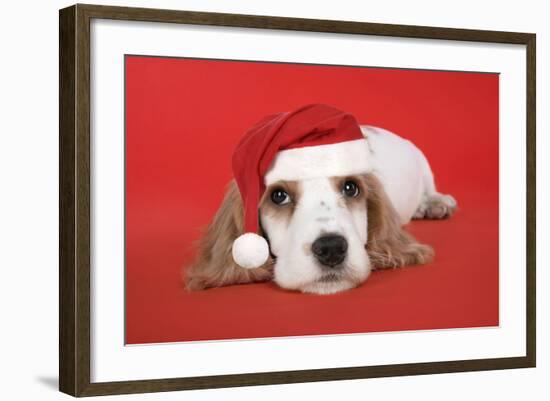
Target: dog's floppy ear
[
  {"x": 388, "y": 245},
  {"x": 214, "y": 265}
]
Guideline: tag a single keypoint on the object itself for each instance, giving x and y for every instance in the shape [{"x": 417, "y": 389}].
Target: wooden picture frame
[{"x": 74, "y": 199}]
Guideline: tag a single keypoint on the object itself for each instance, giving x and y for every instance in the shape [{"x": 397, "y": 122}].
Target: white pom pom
[{"x": 250, "y": 250}]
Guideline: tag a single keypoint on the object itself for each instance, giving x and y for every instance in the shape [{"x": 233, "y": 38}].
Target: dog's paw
[{"x": 437, "y": 206}]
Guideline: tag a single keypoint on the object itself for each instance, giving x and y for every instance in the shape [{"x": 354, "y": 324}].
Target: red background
[{"x": 183, "y": 118}]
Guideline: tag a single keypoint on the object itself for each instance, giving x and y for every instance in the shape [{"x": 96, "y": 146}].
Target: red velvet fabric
[{"x": 183, "y": 120}]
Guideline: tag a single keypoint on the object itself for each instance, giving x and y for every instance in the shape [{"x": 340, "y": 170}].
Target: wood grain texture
[
  {"x": 67, "y": 289},
  {"x": 74, "y": 206},
  {"x": 531, "y": 179},
  {"x": 301, "y": 24},
  {"x": 74, "y": 198},
  {"x": 302, "y": 376}
]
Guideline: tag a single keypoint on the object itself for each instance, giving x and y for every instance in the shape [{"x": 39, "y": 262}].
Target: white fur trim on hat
[
  {"x": 333, "y": 160},
  {"x": 250, "y": 250}
]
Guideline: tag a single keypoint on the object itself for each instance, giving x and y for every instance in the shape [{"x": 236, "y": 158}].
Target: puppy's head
[{"x": 305, "y": 184}]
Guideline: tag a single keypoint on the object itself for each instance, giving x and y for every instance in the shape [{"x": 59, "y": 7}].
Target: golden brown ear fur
[
  {"x": 214, "y": 265},
  {"x": 388, "y": 245}
]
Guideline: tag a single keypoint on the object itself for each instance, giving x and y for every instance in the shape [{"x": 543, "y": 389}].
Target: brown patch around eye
[
  {"x": 283, "y": 212},
  {"x": 351, "y": 201}
]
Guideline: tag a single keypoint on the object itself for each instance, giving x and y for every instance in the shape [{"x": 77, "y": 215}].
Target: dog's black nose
[{"x": 330, "y": 250}]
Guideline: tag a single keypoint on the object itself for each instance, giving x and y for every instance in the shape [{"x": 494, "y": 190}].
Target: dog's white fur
[
  {"x": 405, "y": 174},
  {"x": 408, "y": 183}
]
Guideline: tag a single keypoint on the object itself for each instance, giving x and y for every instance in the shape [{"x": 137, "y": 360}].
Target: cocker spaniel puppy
[{"x": 317, "y": 203}]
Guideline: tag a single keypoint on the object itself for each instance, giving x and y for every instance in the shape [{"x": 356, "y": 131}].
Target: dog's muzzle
[{"x": 330, "y": 250}]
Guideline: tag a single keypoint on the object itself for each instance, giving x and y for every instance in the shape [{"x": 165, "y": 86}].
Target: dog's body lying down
[{"x": 327, "y": 233}]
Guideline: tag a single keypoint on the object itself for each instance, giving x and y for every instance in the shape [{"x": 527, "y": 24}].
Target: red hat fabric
[{"x": 313, "y": 140}]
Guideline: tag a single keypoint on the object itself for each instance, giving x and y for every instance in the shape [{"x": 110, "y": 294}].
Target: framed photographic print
[{"x": 250, "y": 200}]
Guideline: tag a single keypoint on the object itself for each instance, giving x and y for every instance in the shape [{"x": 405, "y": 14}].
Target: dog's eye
[
  {"x": 280, "y": 197},
  {"x": 350, "y": 189}
]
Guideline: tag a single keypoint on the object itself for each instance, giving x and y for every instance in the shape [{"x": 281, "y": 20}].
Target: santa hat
[{"x": 313, "y": 141}]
